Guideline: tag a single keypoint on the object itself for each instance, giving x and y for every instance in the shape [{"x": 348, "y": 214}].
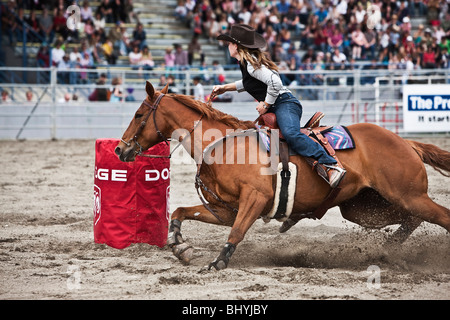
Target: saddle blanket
[{"x": 338, "y": 137}]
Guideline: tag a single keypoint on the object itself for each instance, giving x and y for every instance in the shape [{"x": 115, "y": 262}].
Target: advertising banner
[{"x": 426, "y": 108}]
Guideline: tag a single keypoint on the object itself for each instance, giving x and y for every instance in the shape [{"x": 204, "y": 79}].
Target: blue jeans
[{"x": 289, "y": 111}]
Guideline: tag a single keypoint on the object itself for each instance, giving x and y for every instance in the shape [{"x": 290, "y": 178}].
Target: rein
[{"x": 153, "y": 109}]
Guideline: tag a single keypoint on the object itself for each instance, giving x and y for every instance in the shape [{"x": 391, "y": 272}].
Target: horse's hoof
[
  {"x": 289, "y": 223},
  {"x": 184, "y": 252},
  {"x": 216, "y": 265}
]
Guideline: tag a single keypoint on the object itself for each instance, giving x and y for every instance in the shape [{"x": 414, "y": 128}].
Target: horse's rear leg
[
  {"x": 404, "y": 231},
  {"x": 424, "y": 208},
  {"x": 181, "y": 249}
]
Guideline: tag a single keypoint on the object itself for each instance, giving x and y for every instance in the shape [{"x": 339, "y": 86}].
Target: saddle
[{"x": 313, "y": 130}]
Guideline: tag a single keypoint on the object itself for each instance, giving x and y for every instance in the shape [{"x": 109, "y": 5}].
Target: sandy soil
[{"x": 47, "y": 249}]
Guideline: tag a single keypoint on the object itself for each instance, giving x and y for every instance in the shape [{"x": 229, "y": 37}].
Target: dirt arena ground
[{"x": 47, "y": 249}]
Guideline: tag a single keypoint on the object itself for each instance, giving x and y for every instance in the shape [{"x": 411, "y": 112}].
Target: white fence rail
[{"x": 346, "y": 97}]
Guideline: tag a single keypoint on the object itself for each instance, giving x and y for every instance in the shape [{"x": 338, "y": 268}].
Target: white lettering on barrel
[{"x": 154, "y": 175}]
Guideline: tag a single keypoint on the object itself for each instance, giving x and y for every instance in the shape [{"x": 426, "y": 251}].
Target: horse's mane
[{"x": 211, "y": 113}]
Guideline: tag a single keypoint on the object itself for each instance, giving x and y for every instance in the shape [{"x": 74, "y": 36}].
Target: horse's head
[{"x": 144, "y": 131}]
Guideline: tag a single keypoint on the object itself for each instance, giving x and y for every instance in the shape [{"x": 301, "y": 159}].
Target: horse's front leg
[
  {"x": 251, "y": 204},
  {"x": 181, "y": 249}
]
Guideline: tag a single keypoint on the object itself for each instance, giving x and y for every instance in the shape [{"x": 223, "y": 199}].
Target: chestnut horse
[{"x": 386, "y": 181}]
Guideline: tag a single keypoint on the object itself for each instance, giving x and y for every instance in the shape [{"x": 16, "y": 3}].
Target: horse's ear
[
  {"x": 165, "y": 89},
  {"x": 150, "y": 90}
]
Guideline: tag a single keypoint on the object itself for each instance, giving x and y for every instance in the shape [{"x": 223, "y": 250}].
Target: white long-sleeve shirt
[{"x": 269, "y": 77}]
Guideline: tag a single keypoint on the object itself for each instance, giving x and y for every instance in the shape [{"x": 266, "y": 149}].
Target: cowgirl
[{"x": 261, "y": 80}]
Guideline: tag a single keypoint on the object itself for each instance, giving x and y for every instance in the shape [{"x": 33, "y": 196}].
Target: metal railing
[{"x": 346, "y": 97}]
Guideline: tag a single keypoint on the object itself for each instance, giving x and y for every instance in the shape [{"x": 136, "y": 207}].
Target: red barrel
[{"x": 131, "y": 199}]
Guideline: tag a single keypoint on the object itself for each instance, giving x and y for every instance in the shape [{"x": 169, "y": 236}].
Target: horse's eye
[{"x": 137, "y": 116}]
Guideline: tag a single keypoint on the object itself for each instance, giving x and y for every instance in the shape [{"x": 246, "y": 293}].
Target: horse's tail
[{"x": 430, "y": 154}]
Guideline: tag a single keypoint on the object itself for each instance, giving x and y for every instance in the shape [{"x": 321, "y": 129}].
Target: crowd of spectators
[
  {"x": 332, "y": 32},
  {"x": 88, "y": 44}
]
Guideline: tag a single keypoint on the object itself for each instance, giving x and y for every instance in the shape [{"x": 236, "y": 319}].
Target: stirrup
[{"x": 335, "y": 174}]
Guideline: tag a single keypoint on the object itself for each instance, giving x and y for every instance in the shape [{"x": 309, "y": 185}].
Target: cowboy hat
[{"x": 245, "y": 36}]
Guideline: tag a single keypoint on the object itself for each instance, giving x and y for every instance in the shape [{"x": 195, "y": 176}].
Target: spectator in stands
[
  {"x": 117, "y": 94},
  {"x": 118, "y": 9},
  {"x": 370, "y": 44},
  {"x": 429, "y": 57},
  {"x": 66, "y": 98},
  {"x": 336, "y": 40},
  {"x": 291, "y": 21},
  {"x": 35, "y": 31},
  {"x": 181, "y": 56},
  {"x": 181, "y": 11},
  {"x": 130, "y": 13},
  {"x": 57, "y": 53},
  {"x": 195, "y": 51},
  {"x": 105, "y": 10},
  {"x": 75, "y": 55},
  {"x": 89, "y": 28},
  {"x": 433, "y": 12},
  {"x": 59, "y": 24},
  {"x": 419, "y": 34},
  {"x": 417, "y": 8},
  {"x": 358, "y": 41},
  {"x": 321, "y": 14},
  {"x": 139, "y": 36},
  {"x": 271, "y": 36},
  {"x": 170, "y": 80},
  {"x": 134, "y": 57},
  {"x": 307, "y": 36},
  {"x": 86, "y": 12},
  {"x": 244, "y": 15},
  {"x": 5, "y": 97},
  {"x": 282, "y": 7},
  {"x": 211, "y": 25},
  {"x": 99, "y": 21},
  {"x": 18, "y": 27},
  {"x": 428, "y": 38},
  {"x": 199, "y": 92},
  {"x": 445, "y": 61},
  {"x": 100, "y": 94},
  {"x": 9, "y": 20},
  {"x": 43, "y": 56},
  {"x": 64, "y": 74},
  {"x": 219, "y": 76},
  {"x": 439, "y": 33},
  {"x": 338, "y": 57},
  {"x": 169, "y": 60},
  {"x": 115, "y": 35},
  {"x": 285, "y": 37},
  {"x": 405, "y": 27},
  {"x": 146, "y": 62},
  {"x": 108, "y": 51},
  {"x": 29, "y": 95}
]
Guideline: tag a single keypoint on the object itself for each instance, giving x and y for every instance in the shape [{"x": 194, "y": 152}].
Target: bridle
[
  {"x": 198, "y": 181},
  {"x": 142, "y": 126},
  {"x": 153, "y": 109}
]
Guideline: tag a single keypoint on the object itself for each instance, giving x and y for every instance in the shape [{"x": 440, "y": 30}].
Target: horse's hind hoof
[
  {"x": 289, "y": 223},
  {"x": 183, "y": 252}
]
